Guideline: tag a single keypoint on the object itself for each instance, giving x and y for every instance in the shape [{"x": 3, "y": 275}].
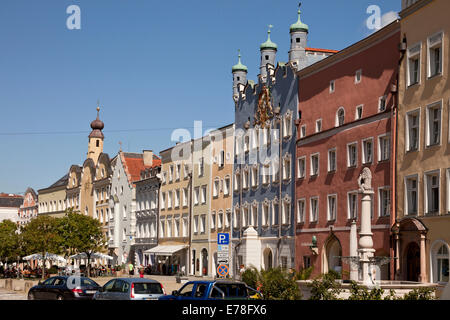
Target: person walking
[{"x": 131, "y": 269}]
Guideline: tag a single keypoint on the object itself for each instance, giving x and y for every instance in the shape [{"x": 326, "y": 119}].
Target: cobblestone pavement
[{"x": 12, "y": 295}]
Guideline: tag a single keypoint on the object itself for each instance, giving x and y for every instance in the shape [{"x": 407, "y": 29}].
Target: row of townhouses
[{"x": 281, "y": 180}]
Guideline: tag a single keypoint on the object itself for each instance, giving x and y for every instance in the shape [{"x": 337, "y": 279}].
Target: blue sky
[{"x": 154, "y": 66}]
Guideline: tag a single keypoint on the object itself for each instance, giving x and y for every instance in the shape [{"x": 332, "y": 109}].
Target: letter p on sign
[{"x": 223, "y": 238}]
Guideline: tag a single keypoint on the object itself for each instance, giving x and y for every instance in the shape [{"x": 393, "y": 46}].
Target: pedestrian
[{"x": 131, "y": 269}]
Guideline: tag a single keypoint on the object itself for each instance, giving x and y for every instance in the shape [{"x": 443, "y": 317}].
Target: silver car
[{"x": 130, "y": 289}]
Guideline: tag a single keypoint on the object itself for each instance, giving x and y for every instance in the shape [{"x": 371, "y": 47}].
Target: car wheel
[
  {"x": 59, "y": 297},
  {"x": 31, "y": 296}
]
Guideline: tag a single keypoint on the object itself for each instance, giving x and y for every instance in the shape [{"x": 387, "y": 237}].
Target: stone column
[
  {"x": 423, "y": 265},
  {"x": 252, "y": 248},
  {"x": 366, "y": 250},
  {"x": 353, "y": 252},
  {"x": 397, "y": 256}
]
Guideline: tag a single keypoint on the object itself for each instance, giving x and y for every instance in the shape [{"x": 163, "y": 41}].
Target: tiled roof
[
  {"x": 61, "y": 182},
  {"x": 134, "y": 164},
  {"x": 10, "y": 200}
]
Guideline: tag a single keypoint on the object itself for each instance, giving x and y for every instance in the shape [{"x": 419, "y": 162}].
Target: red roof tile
[{"x": 134, "y": 164}]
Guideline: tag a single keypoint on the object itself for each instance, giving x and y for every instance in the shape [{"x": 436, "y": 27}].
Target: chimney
[{"x": 148, "y": 157}]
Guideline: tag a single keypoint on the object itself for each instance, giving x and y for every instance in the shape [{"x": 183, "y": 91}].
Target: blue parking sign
[{"x": 223, "y": 238}]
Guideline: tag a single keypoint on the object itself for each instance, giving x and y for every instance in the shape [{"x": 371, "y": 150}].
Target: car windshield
[{"x": 147, "y": 288}]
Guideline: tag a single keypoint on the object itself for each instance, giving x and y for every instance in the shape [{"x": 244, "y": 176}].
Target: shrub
[
  {"x": 420, "y": 294},
  {"x": 325, "y": 287},
  {"x": 362, "y": 293},
  {"x": 53, "y": 270},
  {"x": 251, "y": 277},
  {"x": 304, "y": 274}
]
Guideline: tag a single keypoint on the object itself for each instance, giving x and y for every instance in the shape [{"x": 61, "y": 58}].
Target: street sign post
[
  {"x": 222, "y": 270},
  {"x": 223, "y": 238}
]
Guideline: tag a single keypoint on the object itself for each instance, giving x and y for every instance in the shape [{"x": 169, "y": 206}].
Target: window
[
  {"x": 245, "y": 178},
  {"x": 275, "y": 171},
  {"x": 196, "y": 195},
  {"x": 382, "y": 103},
  {"x": 358, "y": 76},
  {"x": 412, "y": 130},
  {"x": 265, "y": 213},
  {"x": 213, "y": 220},
  {"x": 170, "y": 173},
  {"x": 441, "y": 260},
  {"x": 434, "y": 124},
  {"x": 237, "y": 181},
  {"x": 201, "y": 167},
  {"x": 246, "y": 142},
  {"x": 266, "y": 135},
  {"x": 413, "y": 65},
  {"x": 186, "y": 171},
  {"x": 314, "y": 209},
  {"x": 352, "y": 205},
  {"x": 359, "y": 112},
  {"x": 332, "y": 201},
  {"x": 352, "y": 154},
  {"x": 177, "y": 172},
  {"x": 318, "y": 125},
  {"x": 286, "y": 212},
  {"x": 185, "y": 226},
  {"x": 177, "y": 198},
  {"x": 255, "y": 177},
  {"x": 265, "y": 174},
  {"x": 245, "y": 221},
  {"x": 384, "y": 198},
  {"x": 332, "y": 86},
  {"x": 331, "y": 160},
  {"x": 432, "y": 192},
  {"x": 185, "y": 197},
  {"x": 411, "y": 195},
  {"x": 303, "y": 131},
  {"x": 384, "y": 147},
  {"x": 227, "y": 218},
  {"x": 169, "y": 199},
  {"x": 236, "y": 213},
  {"x": 219, "y": 220},
  {"x": 203, "y": 194},
  {"x": 124, "y": 211},
  {"x": 340, "y": 117},
  {"x": 169, "y": 227},
  {"x": 195, "y": 224},
  {"x": 301, "y": 167},
  {"x": 435, "y": 55},
  {"x": 287, "y": 124},
  {"x": 255, "y": 137},
  {"x": 221, "y": 159},
  {"x": 176, "y": 227},
  {"x": 216, "y": 187},
  {"x": 367, "y": 149},
  {"x": 287, "y": 167},
  {"x": 253, "y": 218},
  {"x": 301, "y": 210},
  {"x": 275, "y": 212},
  {"x": 226, "y": 186},
  {"x": 314, "y": 164}
]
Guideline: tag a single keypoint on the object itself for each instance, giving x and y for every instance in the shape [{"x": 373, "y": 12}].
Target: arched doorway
[
  {"x": 440, "y": 261},
  {"x": 204, "y": 262},
  {"x": 412, "y": 262},
  {"x": 333, "y": 253},
  {"x": 268, "y": 259}
]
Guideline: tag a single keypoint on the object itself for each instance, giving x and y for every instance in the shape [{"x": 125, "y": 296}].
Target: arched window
[
  {"x": 441, "y": 263},
  {"x": 340, "y": 117}
]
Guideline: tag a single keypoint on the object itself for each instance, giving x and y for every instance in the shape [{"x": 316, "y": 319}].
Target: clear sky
[{"x": 154, "y": 66}]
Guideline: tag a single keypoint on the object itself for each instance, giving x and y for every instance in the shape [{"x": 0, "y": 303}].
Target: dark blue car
[{"x": 213, "y": 290}]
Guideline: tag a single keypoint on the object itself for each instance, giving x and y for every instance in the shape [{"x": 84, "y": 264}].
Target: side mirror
[{"x": 175, "y": 292}]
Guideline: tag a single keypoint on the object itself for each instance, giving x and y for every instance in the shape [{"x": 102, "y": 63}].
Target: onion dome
[
  {"x": 97, "y": 126},
  {"x": 239, "y": 66},
  {"x": 268, "y": 44},
  {"x": 299, "y": 25}
]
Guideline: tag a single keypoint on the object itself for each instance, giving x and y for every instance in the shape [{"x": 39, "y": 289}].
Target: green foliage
[
  {"x": 53, "y": 270},
  {"x": 358, "y": 292},
  {"x": 304, "y": 274},
  {"x": 274, "y": 284},
  {"x": 420, "y": 294},
  {"x": 9, "y": 241},
  {"x": 41, "y": 235},
  {"x": 325, "y": 287}
]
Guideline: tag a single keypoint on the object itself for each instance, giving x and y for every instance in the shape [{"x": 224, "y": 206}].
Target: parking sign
[{"x": 223, "y": 238}]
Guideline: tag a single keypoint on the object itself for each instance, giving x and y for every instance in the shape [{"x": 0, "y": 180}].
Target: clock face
[{"x": 264, "y": 111}]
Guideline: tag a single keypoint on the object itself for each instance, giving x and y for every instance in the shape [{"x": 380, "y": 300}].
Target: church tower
[
  {"x": 239, "y": 77},
  {"x": 299, "y": 38},
  {"x": 268, "y": 52},
  {"x": 96, "y": 138}
]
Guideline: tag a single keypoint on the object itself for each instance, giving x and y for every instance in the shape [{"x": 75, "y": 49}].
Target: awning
[{"x": 165, "y": 250}]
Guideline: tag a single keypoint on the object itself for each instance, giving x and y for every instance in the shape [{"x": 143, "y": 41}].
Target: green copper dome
[
  {"x": 299, "y": 25},
  {"x": 268, "y": 44},
  {"x": 239, "y": 66}
]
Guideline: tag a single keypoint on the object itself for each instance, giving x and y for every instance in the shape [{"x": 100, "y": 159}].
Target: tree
[
  {"x": 41, "y": 235},
  {"x": 325, "y": 287},
  {"x": 9, "y": 240},
  {"x": 81, "y": 234}
]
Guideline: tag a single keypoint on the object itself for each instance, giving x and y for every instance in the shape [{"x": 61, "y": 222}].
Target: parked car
[
  {"x": 214, "y": 290},
  {"x": 64, "y": 288},
  {"x": 130, "y": 289}
]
